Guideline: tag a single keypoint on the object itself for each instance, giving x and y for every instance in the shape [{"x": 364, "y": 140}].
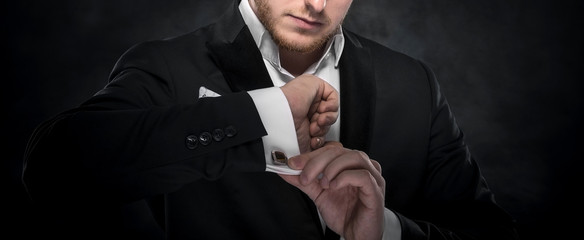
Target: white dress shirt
[
  {"x": 269, "y": 100},
  {"x": 325, "y": 68}
]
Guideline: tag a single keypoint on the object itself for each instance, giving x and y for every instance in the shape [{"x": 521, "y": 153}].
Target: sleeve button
[
  {"x": 191, "y": 142},
  {"x": 205, "y": 138},
  {"x": 218, "y": 135},
  {"x": 230, "y": 131}
]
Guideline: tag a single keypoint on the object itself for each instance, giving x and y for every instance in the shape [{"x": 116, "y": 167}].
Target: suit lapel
[
  {"x": 357, "y": 94},
  {"x": 233, "y": 49}
]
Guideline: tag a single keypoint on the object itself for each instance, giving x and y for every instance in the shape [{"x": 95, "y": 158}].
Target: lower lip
[{"x": 304, "y": 24}]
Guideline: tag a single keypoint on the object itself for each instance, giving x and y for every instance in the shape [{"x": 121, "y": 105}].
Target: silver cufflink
[{"x": 279, "y": 158}]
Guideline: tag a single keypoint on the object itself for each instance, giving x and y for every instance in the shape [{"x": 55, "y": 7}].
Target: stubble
[{"x": 263, "y": 12}]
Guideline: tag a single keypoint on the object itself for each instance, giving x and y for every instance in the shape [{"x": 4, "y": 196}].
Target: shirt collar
[{"x": 269, "y": 49}]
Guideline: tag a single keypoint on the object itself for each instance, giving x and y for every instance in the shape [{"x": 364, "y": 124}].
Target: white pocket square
[{"x": 204, "y": 92}]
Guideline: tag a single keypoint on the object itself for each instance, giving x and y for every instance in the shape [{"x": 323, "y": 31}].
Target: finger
[
  {"x": 299, "y": 162},
  {"x": 329, "y": 93},
  {"x": 379, "y": 175},
  {"x": 326, "y": 99},
  {"x": 376, "y": 165},
  {"x": 325, "y": 119},
  {"x": 369, "y": 192},
  {"x": 353, "y": 160},
  {"x": 334, "y": 143},
  {"x": 320, "y": 123},
  {"x": 318, "y": 131},
  {"x": 328, "y": 105},
  {"x": 316, "y": 142},
  {"x": 319, "y": 97},
  {"x": 318, "y": 161}
]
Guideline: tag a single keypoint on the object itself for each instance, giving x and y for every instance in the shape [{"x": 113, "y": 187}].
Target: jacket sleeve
[
  {"x": 134, "y": 139},
  {"x": 456, "y": 202}
]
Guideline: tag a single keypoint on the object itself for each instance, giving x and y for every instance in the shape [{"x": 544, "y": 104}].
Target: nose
[{"x": 316, "y": 5}]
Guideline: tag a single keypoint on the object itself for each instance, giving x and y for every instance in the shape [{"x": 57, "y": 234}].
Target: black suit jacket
[{"x": 121, "y": 163}]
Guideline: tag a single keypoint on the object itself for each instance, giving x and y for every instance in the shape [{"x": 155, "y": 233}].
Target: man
[{"x": 220, "y": 134}]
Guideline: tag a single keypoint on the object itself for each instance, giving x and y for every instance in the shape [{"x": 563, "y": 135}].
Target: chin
[{"x": 299, "y": 42}]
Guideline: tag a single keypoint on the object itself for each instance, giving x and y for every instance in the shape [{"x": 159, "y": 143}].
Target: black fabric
[
  {"x": 330, "y": 234},
  {"x": 92, "y": 167}
]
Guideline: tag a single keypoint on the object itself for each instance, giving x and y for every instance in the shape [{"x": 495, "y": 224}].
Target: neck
[{"x": 296, "y": 63}]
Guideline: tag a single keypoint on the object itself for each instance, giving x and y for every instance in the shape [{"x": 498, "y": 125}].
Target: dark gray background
[{"x": 510, "y": 69}]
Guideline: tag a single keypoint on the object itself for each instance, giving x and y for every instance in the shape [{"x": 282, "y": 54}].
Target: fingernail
[
  {"x": 292, "y": 163},
  {"x": 295, "y": 163}
]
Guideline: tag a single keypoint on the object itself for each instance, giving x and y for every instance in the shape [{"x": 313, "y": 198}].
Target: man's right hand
[{"x": 315, "y": 107}]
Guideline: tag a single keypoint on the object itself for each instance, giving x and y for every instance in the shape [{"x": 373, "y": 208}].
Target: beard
[{"x": 263, "y": 12}]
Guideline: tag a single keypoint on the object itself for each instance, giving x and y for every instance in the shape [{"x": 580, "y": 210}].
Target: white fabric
[
  {"x": 205, "y": 92},
  {"x": 278, "y": 122}
]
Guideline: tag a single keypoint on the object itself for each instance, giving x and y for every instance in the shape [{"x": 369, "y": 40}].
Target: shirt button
[
  {"x": 191, "y": 142},
  {"x": 205, "y": 138},
  {"x": 230, "y": 131},
  {"x": 218, "y": 135}
]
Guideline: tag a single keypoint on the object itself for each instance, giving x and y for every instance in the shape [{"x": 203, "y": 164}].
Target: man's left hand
[{"x": 347, "y": 188}]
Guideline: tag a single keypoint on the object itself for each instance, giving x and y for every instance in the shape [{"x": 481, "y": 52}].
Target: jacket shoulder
[
  {"x": 382, "y": 54},
  {"x": 154, "y": 56},
  {"x": 396, "y": 67}
]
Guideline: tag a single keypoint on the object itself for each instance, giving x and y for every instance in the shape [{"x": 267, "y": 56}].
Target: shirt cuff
[
  {"x": 392, "y": 226},
  {"x": 276, "y": 116}
]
